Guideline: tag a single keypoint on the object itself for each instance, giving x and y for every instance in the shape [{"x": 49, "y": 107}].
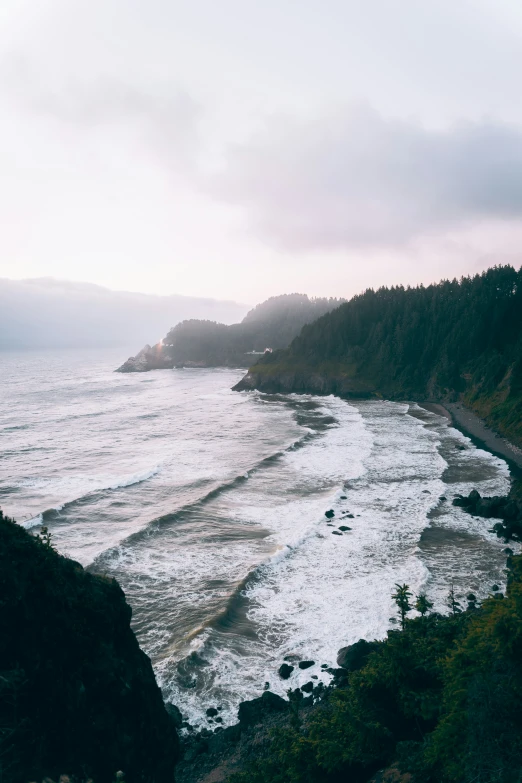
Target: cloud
[
  {"x": 353, "y": 178},
  {"x": 165, "y": 118}
]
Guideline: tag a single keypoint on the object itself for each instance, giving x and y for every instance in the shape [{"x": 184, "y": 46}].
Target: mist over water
[{"x": 208, "y": 506}]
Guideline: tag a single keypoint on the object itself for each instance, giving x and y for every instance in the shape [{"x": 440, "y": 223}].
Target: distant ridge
[
  {"x": 42, "y": 313},
  {"x": 203, "y": 343}
]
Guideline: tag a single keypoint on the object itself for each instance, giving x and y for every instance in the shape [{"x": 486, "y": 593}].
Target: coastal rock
[
  {"x": 307, "y": 687},
  {"x": 354, "y": 657},
  {"x": 256, "y": 710},
  {"x": 306, "y": 664},
  {"x": 149, "y": 358},
  {"x": 211, "y": 712},
  {"x": 285, "y": 670}
]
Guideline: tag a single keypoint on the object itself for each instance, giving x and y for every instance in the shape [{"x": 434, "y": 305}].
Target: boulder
[
  {"x": 175, "y": 714},
  {"x": 211, "y": 712},
  {"x": 285, "y": 670},
  {"x": 344, "y": 528},
  {"x": 256, "y": 710},
  {"x": 354, "y": 657},
  {"x": 336, "y": 533},
  {"x": 307, "y": 687},
  {"x": 306, "y": 664},
  {"x": 329, "y": 514}
]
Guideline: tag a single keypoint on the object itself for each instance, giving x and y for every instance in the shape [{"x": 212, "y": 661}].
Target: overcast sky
[{"x": 240, "y": 149}]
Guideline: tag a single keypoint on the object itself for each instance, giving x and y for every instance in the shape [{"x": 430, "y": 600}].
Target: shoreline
[{"x": 474, "y": 427}]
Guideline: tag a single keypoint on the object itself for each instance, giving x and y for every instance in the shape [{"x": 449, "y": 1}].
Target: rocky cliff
[{"x": 77, "y": 695}]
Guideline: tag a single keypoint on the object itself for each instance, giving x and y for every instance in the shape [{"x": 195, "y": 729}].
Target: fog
[{"x": 47, "y": 313}]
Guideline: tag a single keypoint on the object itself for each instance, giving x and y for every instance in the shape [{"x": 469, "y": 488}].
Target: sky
[{"x": 241, "y": 149}]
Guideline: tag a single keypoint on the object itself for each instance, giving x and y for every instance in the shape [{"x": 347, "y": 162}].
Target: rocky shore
[{"x": 149, "y": 358}]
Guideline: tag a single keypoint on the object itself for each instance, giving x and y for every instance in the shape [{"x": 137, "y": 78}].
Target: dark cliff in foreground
[
  {"x": 196, "y": 343},
  {"x": 455, "y": 340},
  {"x": 77, "y": 695}
]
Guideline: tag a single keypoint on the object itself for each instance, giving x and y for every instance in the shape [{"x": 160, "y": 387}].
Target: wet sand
[{"x": 470, "y": 424}]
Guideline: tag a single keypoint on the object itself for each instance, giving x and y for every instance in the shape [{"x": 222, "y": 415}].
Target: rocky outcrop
[
  {"x": 355, "y": 656},
  {"x": 302, "y": 382},
  {"x": 77, "y": 695},
  {"x": 256, "y": 710},
  {"x": 507, "y": 508},
  {"x": 149, "y": 358}
]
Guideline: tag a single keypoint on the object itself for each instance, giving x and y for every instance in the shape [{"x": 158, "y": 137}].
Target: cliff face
[
  {"x": 77, "y": 695},
  {"x": 285, "y": 380}
]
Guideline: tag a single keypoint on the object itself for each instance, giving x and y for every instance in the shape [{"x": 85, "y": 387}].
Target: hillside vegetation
[
  {"x": 459, "y": 339},
  {"x": 272, "y": 324},
  {"x": 436, "y": 702}
]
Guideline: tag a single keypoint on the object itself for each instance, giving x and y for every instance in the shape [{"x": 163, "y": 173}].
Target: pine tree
[
  {"x": 452, "y": 602},
  {"x": 422, "y": 605},
  {"x": 402, "y": 599}
]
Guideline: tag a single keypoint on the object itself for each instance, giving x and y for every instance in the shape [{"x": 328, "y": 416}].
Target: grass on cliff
[{"x": 441, "y": 698}]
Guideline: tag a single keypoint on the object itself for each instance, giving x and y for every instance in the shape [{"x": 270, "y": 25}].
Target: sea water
[{"x": 209, "y": 505}]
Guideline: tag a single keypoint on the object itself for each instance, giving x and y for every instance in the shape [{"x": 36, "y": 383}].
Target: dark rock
[
  {"x": 307, "y": 687},
  {"x": 219, "y": 720},
  {"x": 196, "y": 749},
  {"x": 329, "y": 514},
  {"x": 211, "y": 712},
  {"x": 254, "y": 711},
  {"x": 223, "y": 738},
  {"x": 175, "y": 714},
  {"x": 315, "y": 677},
  {"x": 343, "y": 497},
  {"x": 82, "y": 695},
  {"x": 306, "y": 664},
  {"x": 336, "y": 533},
  {"x": 443, "y": 497},
  {"x": 344, "y": 528},
  {"x": 350, "y": 516},
  {"x": 266, "y": 686},
  {"x": 285, "y": 670},
  {"x": 354, "y": 657}
]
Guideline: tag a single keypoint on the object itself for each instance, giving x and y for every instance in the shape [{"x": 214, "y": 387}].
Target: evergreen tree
[
  {"x": 402, "y": 597},
  {"x": 422, "y": 605}
]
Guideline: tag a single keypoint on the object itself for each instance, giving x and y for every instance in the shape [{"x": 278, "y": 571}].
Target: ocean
[{"x": 208, "y": 506}]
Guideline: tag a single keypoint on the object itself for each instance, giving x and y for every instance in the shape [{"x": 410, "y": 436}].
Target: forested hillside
[
  {"x": 272, "y": 324},
  {"x": 457, "y": 339},
  {"x": 435, "y": 702}
]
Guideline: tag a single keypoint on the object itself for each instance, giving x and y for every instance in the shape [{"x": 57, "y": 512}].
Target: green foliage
[
  {"x": 45, "y": 537},
  {"x": 272, "y": 324},
  {"x": 402, "y": 597},
  {"x": 441, "y": 698},
  {"x": 453, "y": 605},
  {"x": 423, "y": 605}
]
